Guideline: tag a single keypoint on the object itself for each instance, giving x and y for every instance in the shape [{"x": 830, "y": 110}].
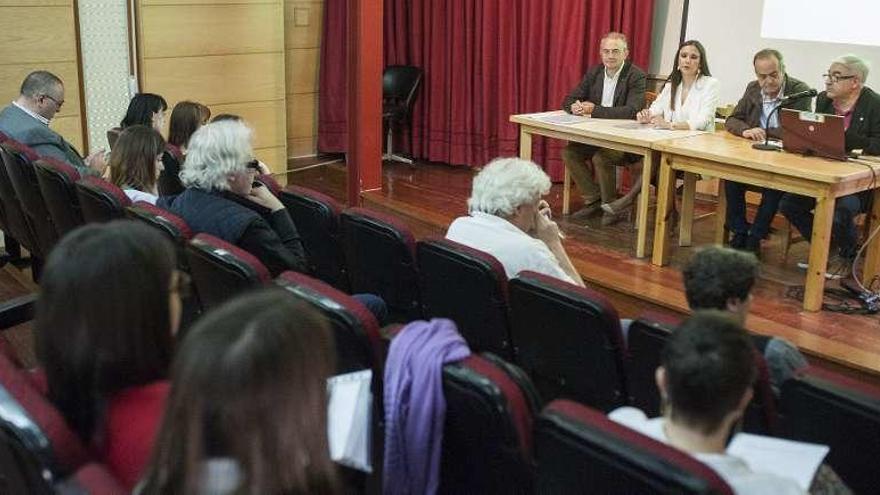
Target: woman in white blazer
[{"x": 687, "y": 102}]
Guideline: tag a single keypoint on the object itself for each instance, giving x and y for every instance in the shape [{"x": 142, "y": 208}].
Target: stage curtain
[{"x": 484, "y": 61}]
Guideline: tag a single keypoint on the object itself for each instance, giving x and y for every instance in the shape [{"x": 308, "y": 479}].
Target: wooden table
[
  {"x": 731, "y": 158},
  {"x": 623, "y": 135}
]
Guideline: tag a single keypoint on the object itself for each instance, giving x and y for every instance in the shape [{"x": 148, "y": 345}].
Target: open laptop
[{"x": 816, "y": 134}]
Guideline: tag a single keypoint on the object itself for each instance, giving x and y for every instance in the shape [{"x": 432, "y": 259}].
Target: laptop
[{"x": 815, "y": 134}]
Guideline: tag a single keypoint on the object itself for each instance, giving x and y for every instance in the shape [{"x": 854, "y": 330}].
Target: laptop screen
[{"x": 817, "y": 134}]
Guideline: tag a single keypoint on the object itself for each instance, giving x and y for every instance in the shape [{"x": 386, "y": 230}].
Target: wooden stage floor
[{"x": 429, "y": 196}]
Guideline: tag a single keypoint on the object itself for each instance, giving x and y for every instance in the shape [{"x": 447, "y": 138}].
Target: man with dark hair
[
  {"x": 749, "y": 119},
  {"x": 26, "y": 120}
]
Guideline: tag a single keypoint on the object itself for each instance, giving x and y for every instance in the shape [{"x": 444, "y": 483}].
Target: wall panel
[{"x": 302, "y": 31}]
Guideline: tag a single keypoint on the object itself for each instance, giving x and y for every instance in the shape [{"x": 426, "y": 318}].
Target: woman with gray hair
[
  {"x": 509, "y": 220},
  {"x": 223, "y": 199}
]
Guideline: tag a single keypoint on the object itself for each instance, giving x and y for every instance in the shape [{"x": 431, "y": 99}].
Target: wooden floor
[{"x": 429, "y": 196}]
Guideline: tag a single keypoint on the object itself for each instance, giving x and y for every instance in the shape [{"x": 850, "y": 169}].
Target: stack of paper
[
  {"x": 796, "y": 460},
  {"x": 348, "y": 419}
]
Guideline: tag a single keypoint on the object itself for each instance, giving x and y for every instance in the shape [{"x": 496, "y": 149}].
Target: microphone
[
  {"x": 766, "y": 146},
  {"x": 797, "y": 96}
]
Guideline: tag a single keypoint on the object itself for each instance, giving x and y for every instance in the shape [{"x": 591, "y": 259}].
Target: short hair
[
  {"x": 215, "y": 151},
  {"x": 133, "y": 158},
  {"x": 767, "y": 53},
  {"x": 505, "y": 184},
  {"x": 186, "y": 117},
  {"x": 710, "y": 363},
  {"x": 141, "y": 109},
  {"x": 220, "y": 117},
  {"x": 103, "y": 321},
  {"x": 856, "y": 64},
  {"x": 249, "y": 384},
  {"x": 615, "y": 35},
  {"x": 716, "y": 274},
  {"x": 39, "y": 83}
]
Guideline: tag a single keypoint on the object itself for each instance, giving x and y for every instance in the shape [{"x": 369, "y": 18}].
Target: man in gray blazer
[{"x": 26, "y": 120}]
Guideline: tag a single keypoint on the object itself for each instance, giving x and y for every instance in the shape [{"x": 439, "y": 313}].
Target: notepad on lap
[
  {"x": 795, "y": 460},
  {"x": 348, "y": 419}
]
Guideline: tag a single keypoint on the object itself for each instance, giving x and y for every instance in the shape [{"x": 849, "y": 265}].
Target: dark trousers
[
  {"x": 798, "y": 210},
  {"x": 736, "y": 210}
]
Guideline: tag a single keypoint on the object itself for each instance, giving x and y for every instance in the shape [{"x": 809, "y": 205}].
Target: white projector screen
[{"x": 807, "y": 32}]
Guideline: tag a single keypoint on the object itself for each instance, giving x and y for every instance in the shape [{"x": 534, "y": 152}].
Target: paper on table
[
  {"x": 561, "y": 118},
  {"x": 348, "y": 419},
  {"x": 795, "y": 460}
]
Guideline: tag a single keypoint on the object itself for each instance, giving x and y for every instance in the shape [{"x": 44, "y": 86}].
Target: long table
[
  {"x": 623, "y": 135},
  {"x": 730, "y": 158}
]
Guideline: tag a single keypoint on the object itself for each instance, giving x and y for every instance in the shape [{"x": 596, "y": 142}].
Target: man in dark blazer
[
  {"x": 845, "y": 95},
  {"x": 26, "y": 120},
  {"x": 615, "y": 89},
  {"x": 749, "y": 120}
]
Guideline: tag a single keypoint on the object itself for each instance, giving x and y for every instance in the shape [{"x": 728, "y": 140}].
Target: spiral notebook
[{"x": 348, "y": 419}]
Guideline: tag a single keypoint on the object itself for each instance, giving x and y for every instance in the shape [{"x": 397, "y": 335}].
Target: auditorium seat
[
  {"x": 469, "y": 287},
  {"x": 827, "y": 408},
  {"x": 380, "y": 253},
  {"x": 19, "y": 163},
  {"x": 12, "y": 245},
  {"x": 580, "y": 450},
  {"x": 221, "y": 270},
  {"x": 316, "y": 217},
  {"x": 568, "y": 339},
  {"x": 101, "y": 201},
  {"x": 57, "y": 182},
  {"x": 487, "y": 437}
]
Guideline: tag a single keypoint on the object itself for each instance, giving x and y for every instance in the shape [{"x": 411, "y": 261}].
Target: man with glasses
[
  {"x": 26, "y": 120},
  {"x": 749, "y": 120},
  {"x": 614, "y": 89},
  {"x": 845, "y": 95}
]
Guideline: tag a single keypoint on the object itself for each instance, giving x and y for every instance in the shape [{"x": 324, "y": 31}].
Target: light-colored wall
[{"x": 302, "y": 32}]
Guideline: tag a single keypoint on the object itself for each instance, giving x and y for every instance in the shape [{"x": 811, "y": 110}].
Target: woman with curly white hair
[{"x": 509, "y": 220}]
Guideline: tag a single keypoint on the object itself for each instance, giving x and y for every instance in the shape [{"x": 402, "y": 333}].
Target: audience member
[
  {"x": 509, "y": 220},
  {"x": 749, "y": 120},
  {"x": 26, "y": 120},
  {"x": 845, "y": 95},
  {"x": 136, "y": 161},
  {"x": 264, "y": 169},
  {"x": 247, "y": 411},
  {"x": 110, "y": 302},
  {"x": 146, "y": 109},
  {"x": 614, "y": 89},
  {"x": 186, "y": 118}
]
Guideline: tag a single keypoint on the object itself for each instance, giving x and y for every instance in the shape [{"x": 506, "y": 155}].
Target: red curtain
[{"x": 483, "y": 62}]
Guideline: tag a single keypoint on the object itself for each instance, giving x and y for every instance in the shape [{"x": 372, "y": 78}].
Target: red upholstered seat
[
  {"x": 221, "y": 270},
  {"x": 19, "y": 164},
  {"x": 469, "y": 287},
  {"x": 57, "y": 181},
  {"x": 578, "y": 450},
  {"x": 93, "y": 479},
  {"x": 101, "y": 201}
]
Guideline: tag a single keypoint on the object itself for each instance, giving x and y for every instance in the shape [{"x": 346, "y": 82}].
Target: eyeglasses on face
[
  {"x": 833, "y": 78},
  {"x": 57, "y": 103}
]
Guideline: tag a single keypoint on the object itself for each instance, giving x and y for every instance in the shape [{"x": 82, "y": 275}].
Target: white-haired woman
[
  {"x": 509, "y": 220},
  {"x": 222, "y": 198}
]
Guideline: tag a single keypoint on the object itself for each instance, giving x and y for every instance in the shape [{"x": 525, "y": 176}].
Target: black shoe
[
  {"x": 739, "y": 239},
  {"x": 587, "y": 211}
]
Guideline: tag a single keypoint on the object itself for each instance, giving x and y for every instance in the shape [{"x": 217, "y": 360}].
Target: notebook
[{"x": 348, "y": 419}]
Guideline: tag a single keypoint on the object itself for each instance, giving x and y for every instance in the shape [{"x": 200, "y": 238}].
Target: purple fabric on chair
[{"x": 415, "y": 408}]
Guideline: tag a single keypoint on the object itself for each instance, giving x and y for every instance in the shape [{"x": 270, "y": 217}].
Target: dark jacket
[
  {"x": 169, "y": 179},
  {"x": 629, "y": 95},
  {"x": 864, "y": 128},
  {"x": 270, "y": 236},
  {"x": 747, "y": 113}
]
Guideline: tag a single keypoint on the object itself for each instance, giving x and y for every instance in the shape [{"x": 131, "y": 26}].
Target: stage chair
[
  {"x": 57, "y": 182},
  {"x": 19, "y": 164},
  {"x": 568, "y": 339},
  {"x": 16, "y": 227},
  {"x": 469, "y": 287},
  {"x": 827, "y": 408},
  {"x": 101, "y": 201},
  {"x": 221, "y": 270},
  {"x": 487, "y": 436},
  {"x": 580, "y": 450},
  {"x": 380, "y": 253},
  {"x": 399, "y": 85},
  {"x": 316, "y": 217}
]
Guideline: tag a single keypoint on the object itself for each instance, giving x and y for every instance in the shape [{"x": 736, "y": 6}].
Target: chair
[
  {"x": 568, "y": 340},
  {"x": 101, "y": 201},
  {"x": 580, "y": 450},
  {"x": 469, "y": 287},
  {"x": 92, "y": 479},
  {"x": 19, "y": 163},
  {"x": 316, "y": 217},
  {"x": 221, "y": 270},
  {"x": 831, "y": 409},
  {"x": 15, "y": 225},
  {"x": 381, "y": 259},
  {"x": 112, "y": 136},
  {"x": 399, "y": 85},
  {"x": 57, "y": 182},
  {"x": 487, "y": 437}
]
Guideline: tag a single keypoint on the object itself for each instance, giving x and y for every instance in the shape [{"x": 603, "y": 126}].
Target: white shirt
[
  {"x": 732, "y": 469},
  {"x": 514, "y": 249},
  {"x": 768, "y": 104},
  {"x": 135, "y": 195},
  {"x": 609, "y": 87},
  {"x": 37, "y": 116},
  {"x": 698, "y": 111}
]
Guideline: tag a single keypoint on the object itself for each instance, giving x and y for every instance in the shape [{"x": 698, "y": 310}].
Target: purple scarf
[{"x": 415, "y": 408}]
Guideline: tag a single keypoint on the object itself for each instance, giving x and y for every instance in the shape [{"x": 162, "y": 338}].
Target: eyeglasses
[
  {"x": 612, "y": 52},
  {"x": 833, "y": 78},
  {"x": 57, "y": 103}
]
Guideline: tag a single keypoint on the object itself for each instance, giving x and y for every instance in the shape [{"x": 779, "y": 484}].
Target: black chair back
[
  {"x": 399, "y": 85},
  {"x": 221, "y": 270},
  {"x": 15, "y": 222},
  {"x": 57, "y": 181},
  {"x": 20, "y": 167},
  {"x": 101, "y": 201}
]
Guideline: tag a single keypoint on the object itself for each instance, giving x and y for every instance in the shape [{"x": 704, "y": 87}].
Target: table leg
[
  {"x": 721, "y": 214},
  {"x": 823, "y": 219},
  {"x": 525, "y": 144},
  {"x": 651, "y": 157},
  {"x": 566, "y": 192},
  {"x": 872, "y": 252},
  {"x": 686, "y": 227},
  {"x": 665, "y": 197}
]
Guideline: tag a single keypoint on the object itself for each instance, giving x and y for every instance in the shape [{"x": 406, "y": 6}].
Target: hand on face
[
  {"x": 262, "y": 196},
  {"x": 545, "y": 229}
]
